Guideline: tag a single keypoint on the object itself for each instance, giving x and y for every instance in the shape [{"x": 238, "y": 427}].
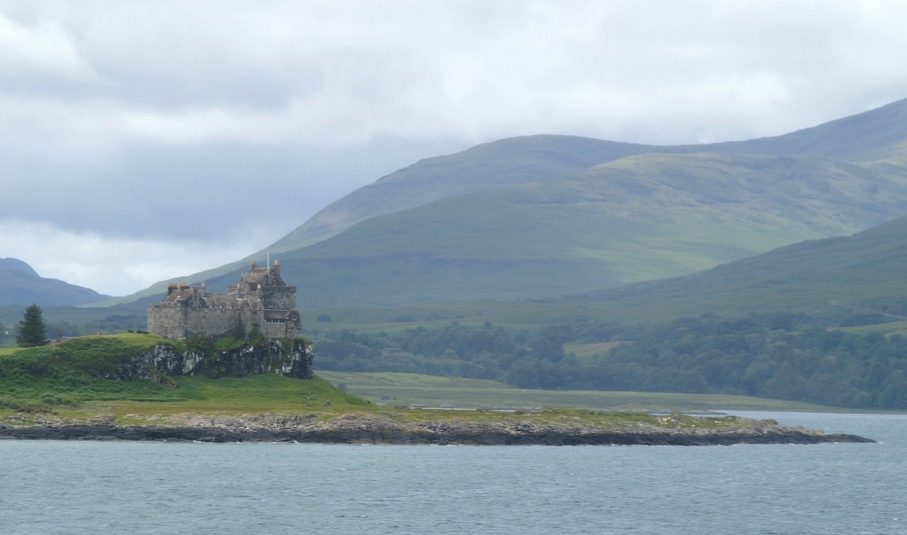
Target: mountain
[
  {"x": 544, "y": 216},
  {"x": 875, "y": 135},
  {"x": 863, "y": 272},
  {"x": 484, "y": 167},
  {"x": 488, "y": 166},
  {"x": 21, "y": 285},
  {"x": 14, "y": 264}
]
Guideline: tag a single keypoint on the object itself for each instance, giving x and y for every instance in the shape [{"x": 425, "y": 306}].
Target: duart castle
[{"x": 261, "y": 302}]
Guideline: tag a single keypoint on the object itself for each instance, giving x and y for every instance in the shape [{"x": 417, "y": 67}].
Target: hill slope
[
  {"x": 550, "y": 215},
  {"x": 874, "y": 135},
  {"x": 864, "y": 271},
  {"x": 488, "y": 166},
  {"x": 21, "y": 285},
  {"x": 870, "y": 136},
  {"x": 596, "y": 228}
]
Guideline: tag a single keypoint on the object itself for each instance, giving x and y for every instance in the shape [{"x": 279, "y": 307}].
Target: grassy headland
[
  {"x": 62, "y": 392},
  {"x": 66, "y": 382}
]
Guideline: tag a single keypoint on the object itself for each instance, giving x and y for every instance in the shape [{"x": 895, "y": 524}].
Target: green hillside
[
  {"x": 803, "y": 323},
  {"x": 544, "y": 216},
  {"x": 866, "y": 137},
  {"x": 821, "y": 321},
  {"x": 72, "y": 374},
  {"x": 488, "y": 166},
  {"x": 863, "y": 271},
  {"x": 639, "y": 218}
]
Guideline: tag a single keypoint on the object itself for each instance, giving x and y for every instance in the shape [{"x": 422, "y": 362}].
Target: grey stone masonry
[{"x": 261, "y": 300}]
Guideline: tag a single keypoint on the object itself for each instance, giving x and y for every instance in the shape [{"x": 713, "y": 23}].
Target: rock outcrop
[{"x": 288, "y": 357}]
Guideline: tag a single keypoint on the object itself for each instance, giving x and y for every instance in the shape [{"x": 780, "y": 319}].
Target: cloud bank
[{"x": 169, "y": 137}]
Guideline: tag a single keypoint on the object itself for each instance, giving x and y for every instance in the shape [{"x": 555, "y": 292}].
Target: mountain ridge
[
  {"x": 825, "y": 140},
  {"x": 21, "y": 285},
  {"x": 646, "y": 212}
]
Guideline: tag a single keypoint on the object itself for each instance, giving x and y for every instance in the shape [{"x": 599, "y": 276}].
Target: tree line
[{"x": 781, "y": 355}]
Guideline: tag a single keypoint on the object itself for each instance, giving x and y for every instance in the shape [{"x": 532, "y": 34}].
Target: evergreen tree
[{"x": 32, "y": 329}]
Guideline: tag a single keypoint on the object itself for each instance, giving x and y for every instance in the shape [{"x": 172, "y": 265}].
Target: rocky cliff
[{"x": 291, "y": 358}]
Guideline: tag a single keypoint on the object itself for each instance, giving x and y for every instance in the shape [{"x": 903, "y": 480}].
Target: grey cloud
[
  {"x": 117, "y": 113},
  {"x": 209, "y": 191}
]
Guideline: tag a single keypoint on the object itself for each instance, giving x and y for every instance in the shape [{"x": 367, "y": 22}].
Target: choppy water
[{"x": 138, "y": 488}]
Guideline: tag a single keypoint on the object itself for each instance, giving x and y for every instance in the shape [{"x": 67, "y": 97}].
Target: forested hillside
[{"x": 779, "y": 355}]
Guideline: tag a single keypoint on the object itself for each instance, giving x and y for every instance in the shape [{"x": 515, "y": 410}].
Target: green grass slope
[
  {"x": 541, "y": 216},
  {"x": 639, "y": 218},
  {"x": 863, "y": 271},
  {"x": 878, "y": 134},
  {"x": 487, "y": 166},
  {"x": 65, "y": 381},
  {"x": 71, "y": 374}
]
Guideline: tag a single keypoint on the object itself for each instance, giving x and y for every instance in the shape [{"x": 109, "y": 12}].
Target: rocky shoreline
[{"x": 371, "y": 429}]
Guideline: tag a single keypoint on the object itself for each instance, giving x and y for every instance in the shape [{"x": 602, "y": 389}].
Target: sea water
[{"x": 50, "y": 487}]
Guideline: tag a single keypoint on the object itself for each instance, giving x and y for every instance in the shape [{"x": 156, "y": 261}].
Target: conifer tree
[{"x": 32, "y": 329}]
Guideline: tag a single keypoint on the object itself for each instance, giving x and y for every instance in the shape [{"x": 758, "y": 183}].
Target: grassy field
[
  {"x": 64, "y": 383},
  {"x": 259, "y": 394},
  {"x": 67, "y": 380},
  {"x": 590, "y": 350},
  {"x": 413, "y": 390}
]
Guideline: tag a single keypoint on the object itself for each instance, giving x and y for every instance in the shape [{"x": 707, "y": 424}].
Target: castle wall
[
  {"x": 166, "y": 321},
  {"x": 210, "y": 321},
  {"x": 261, "y": 300},
  {"x": 277, "y": 329},
  {"x": 279, "y": 298}
]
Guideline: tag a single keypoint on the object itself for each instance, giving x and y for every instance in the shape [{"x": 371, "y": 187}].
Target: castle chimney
[
  {"x": 172, "y": 287},
  {"x": 254, "y": 264},
  {"x": 276, "y": 268}
]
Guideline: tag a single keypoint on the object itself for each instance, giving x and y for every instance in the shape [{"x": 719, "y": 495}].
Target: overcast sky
[{"x": 142, "y": 141}]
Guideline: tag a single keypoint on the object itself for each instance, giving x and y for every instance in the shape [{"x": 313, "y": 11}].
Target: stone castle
[{"x": 260, "y": 302}]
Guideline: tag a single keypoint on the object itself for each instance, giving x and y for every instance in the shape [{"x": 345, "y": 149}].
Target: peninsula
[
  {"x": 548, "y": 428},
  {"x": 144, "y": 387}
]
